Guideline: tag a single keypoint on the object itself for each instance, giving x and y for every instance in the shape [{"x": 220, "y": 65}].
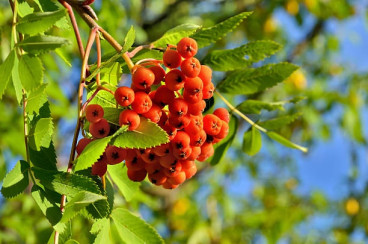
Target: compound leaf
[{"x": 42, "y": 44}]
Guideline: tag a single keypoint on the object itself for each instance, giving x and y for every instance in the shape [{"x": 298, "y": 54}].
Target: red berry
[
  {"x": 182, "y": 153},
  {"x": 154, "y": 114},
  {"x": 192, "y": 98},
  {"x": 100, "y": 167},
  {"x": 82, "y": 143},
  {"x": 206, "y": 152},
  {"x": 179, "y": 122},
  {"x": 168, "y": 185},
  {"x": 212, "y": 124},
  {"x": 177, "y": 179},
  {"x": 163, "y": 119},
  {"x": 168, "y": 161},
  {"x": 162, "y": 150},
  {"x": 186, "y": 164},
  {"x": 224, "y": 131},
  {"x": 150, "y": 158},
  {"x": 170, "y": 130},
  {"x": 138, "y": 175},
  {"x": 208, "y": 91},
  {"x": 191, "y": 67},
  {"x": 197, "y": 140},
  {"x": 193, "y": 85},
  {"x": 172, "y": 171},
  {"x": 197, "y": 108},
  {"x": 124, "y": 96},
  {"x": 205, "y": 74},
  {"x": 187, "y": 47},
  {"x": 130, "y": 118},
  {"x": 143, "y": 78},
  {"x": 174, "y": 80},
  {"x": 195, "y": 153},
  {"x": 151, "y": 168},
  {"x": 171, "y": 58},
  {"x": 94, "y": 113},
  {"x": 115, "y": 155},
  {"x": 178, "y": 107},
  {"x": 136, "y": 164},
  {"x": 142, "y": 103},
  {"x": 157, "y": 178},
  {"x": 181, "y": 140},
  {"x": 189, "y": 173},
  {"x": 223, "y": 114},
  {"x": 163, "y": 96},
  {"x": 159, "y": 73},
  {"x": 100, "y": 129},
  {"x": 195, "y": 125}
]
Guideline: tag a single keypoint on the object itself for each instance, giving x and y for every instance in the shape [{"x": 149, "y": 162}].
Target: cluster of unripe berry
[{"x": 175, "y": 100}]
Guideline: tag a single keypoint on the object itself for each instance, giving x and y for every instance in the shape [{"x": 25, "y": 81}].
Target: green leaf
[
  {"x": 252, "y": 141},
  {"x": 102, "y": 229},
  {"x": 226, "y": 60},
  {"x": 65, "y": 183},
  {"x": 111, "y": 74},
  {"x": 118, "y": 174},
  {"x": 94, "y": 150},
  {"x": 16, "y": 181},
  {"x": 103, "y": 98},
  {"x": 279, "y": 122},
  {"x": 30, "y": 72},
  {"x": 255, "y": 106},
  {"x": 110, "y": 194},
  {"x": 42, "y": 44},
  {"x": 222, "y": 147},
  {"x": 206, "y": 36},
  {"x": 41, "y": 134},
  {"x": 133, "y": 229},
  {"x": 252, "y": 80},
  {"x": 16, "y": 80},
  {"x": 36, "y": 99},
  {"x": 39, "y": 22},
  {"x": 45, "y": 158},
  {"x": 75, "y": 205},
  {"x": 285, "y": 142},
  {"x": 147, "y": 135},
  {"x": 174, "y": 35},
  {"x": 6, "y": 72},
  {"x": 71, "y": 241},
  {"x": 128, "y": 42},
  {"x": 46, "y": 202},
  {"x": 112, "y": 114}
]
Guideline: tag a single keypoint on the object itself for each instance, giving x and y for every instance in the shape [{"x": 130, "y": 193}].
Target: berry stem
[
  {"x": 75, "y": 26},
  {"x": 98, "y": 47},
  {"x": 103, "y": 179}
]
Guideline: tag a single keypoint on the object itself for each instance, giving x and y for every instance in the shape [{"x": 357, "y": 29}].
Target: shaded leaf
[
  {"x": 279, "y": 122},
  {"x": 102, "y": 229},
  {"x": 174, "y": 35},
  {"x": 112, "y": 115},
  {"x": 147, "y": 135},
  {"x": 206, "y": 36},
  {"x": 118, "y": 174},
  {"x": 222, "y": 147},
  {"x": 41, "y": 134},
  {"x": 36, "y": 99},
  {"x": 45, "y": 158},
  {"x": 254, "y": 80},
  {"x": 30, "y": 72},
  {"x": 133, "y": 229},
  {"x": 39, "y": 22},
  {"x": 42, "y": 44},
  {"x": 6, "y": 72},
  {"x": 226, "y": 60},
  {"x": 16, "y": 181},
  {"x": 252, "y": 141}
]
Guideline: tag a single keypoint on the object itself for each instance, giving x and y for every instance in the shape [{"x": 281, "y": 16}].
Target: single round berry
[
  {"x": 171, "y": 58},
  {"x": 187, "y": 47},
  {"x": 168, "y": 161},
  {"x": 142, "y": 103},
  {"x": 206, "y": 152},
  {"x": 170, "y": 130},
  {"x": 197, "y": 140},
  {"x": 181, "y": 140},
  {"x": 154, "y": 114},
  {"x": 159, "y": 73},
  {"x": 150, "y": 158},
  {"x": 115, "y": 155},
  {"x": 137, "y": 175},
  {"x": 169, "y": 186},
  {"x": 157, "y": 178},
  {"x": 163, "y": 96},
  {"x": 143, "y": 78},
  {"x": 223, "y": 114},
  {"x": 172, "y": 171},
  {"x": 197, "y": 108},
  {"x": 82, "y": 143},
  {"x": 193, "y": 85},
  {"x": 212, "y": 124},
  {"x": 136, "y": 164},
  {"x": 177, "y": 179},
  {"x": 151, "y": 168},
  {"x": 186, "y": 164},
  {"x": 124, "y": 96},
  {"x": 205, "y": 74},
  {"x": 179, "y": 122},
  {"x": 183, "y": 153},
  {"x": 99, "y": 129},
  {"x": 224, "y": 131},
  {"x": 130, "y": 118},
  {"x": 195, "y": 125},
  {"x": 100, "y": 167},
  {"x": 191, "y": 67},
  {"x": 94, "y": 113},
  {"x": 162, "y": 150},
  {"x": 178, "y": 107},
  {"x": 192, "y": 98},
  {"x": 208, "y": 91},
  {"x": 174, "y": 80},
  {"x": 196, "y": 151},
  {"x": 189, "y": 173}
]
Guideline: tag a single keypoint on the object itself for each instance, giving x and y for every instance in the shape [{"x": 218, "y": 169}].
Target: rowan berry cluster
[{"x": 175, "y": 100}]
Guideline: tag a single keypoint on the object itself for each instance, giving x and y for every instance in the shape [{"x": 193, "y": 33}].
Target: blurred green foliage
[{"x": 206, "y": 209}]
